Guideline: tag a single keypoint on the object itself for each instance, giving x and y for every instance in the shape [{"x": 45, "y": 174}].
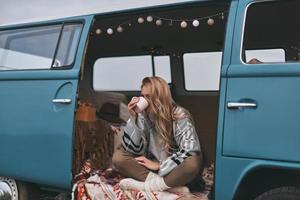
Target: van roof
[{"x": 55, "y": 11}]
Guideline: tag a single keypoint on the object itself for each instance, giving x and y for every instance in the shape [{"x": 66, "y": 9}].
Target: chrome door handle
[
  {"x": 234, "y": 105},
  {"x": 62, "y": 101}
]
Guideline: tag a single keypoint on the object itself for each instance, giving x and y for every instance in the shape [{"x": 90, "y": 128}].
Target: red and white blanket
[{"x": 105, "y": 186}]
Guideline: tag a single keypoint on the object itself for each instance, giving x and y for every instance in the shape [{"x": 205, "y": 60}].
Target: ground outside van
[{"x": 233, "y": 64}]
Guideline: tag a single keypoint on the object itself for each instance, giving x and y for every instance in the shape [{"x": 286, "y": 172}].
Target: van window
[
  {"x": 162, "y": 67},
  {"x": 271, "y": 36},
  {"x": 202, "y": 70},
  {"x": 266, "y": 55},
  {"x": 68, "y": 45},
  {"x": 126, "y": 73},
  {"x": 35, "y": 47}
]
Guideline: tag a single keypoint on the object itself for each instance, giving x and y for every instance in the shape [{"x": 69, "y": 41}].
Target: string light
[
  {"x": 196, "y": 23},
  {"x": 183, "y": 24},
  {"x": 120, "y": 29},
  {"x": 140, "y": 20},
  {"x": 149, "y": 19},
  {"x": 156, "y": 52},
  {"x": 222, "y": 16},
  {"x": 210, "y": 21},
  {"x": 110, "y": 31},
  {"x": 159, "y": 21},
  {"x": 98, "y": 31}
]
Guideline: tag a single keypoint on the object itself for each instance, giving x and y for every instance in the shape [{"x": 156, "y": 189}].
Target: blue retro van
[{"x": 233, "y": 64}]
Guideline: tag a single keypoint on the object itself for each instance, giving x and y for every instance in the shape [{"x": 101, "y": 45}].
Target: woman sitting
[{"x": 160, "y": 147}]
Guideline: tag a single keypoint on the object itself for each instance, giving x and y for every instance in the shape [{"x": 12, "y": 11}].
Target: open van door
[{"x": 39, "y": 72}]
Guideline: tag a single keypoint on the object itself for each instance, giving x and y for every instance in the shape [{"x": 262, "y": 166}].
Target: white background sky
[{"x": 16, "y": 11}]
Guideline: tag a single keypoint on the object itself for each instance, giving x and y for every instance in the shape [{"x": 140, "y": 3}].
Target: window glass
[
  {"x": 127, "y": 73},
  {"x": 121, "y": 73},
  {"x": 162, "y": 67},
  {"x": 273, "y": 28},
  {"x": 202, "y": 70},
  {"x": 266, "y": 55},
  {"x": 68, "y": 45},
  {"x": 28, "y": 48}
]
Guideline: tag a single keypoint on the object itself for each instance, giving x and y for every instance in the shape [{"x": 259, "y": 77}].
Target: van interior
[{"x": 156, "y": 42}]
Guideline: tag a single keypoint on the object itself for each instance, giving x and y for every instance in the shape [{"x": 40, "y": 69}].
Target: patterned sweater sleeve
[
  {"x": 188, "y": 142},
  {"x": 134, "y": 138}
]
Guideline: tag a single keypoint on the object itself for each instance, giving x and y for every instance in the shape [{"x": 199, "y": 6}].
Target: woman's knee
[
  {"x": 192, "y": 166},
  {"x": 118, "y": 158}
]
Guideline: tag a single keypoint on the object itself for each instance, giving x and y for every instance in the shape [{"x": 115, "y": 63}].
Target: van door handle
[
  {"x": 239, "y": 105},
  {"x": 62, "y": 101}
]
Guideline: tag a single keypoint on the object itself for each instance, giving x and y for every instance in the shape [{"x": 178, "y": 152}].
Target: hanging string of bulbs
[{"x": 159, "y": 21}]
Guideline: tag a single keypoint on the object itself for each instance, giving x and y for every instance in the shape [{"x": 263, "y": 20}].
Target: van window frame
[
  {"x": 242, "y": 48},
  {"x": 62, "y": 24}
]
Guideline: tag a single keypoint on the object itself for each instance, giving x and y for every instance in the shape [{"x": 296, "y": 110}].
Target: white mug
[{"x": 141, "y": 105}]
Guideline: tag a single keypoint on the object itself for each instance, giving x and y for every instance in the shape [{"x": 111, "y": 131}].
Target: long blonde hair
[{"x": 163, "y": 107}]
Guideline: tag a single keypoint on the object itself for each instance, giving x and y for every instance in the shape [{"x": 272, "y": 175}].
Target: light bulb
[
  {"x": 149, "y": 19},
  {"x": 196, "y": 23},
  {"x": 183, "y": 24},
  {"x": 141, "y": 20},
  {"x": 210, "y": 21},
  {"x": 110, "y": 31},
  {"x": 158, "y": 22},
  {"x": 98, "y": 31},
  {"x": 120, "y": 29},
  {"x": 222, "y": 16}
]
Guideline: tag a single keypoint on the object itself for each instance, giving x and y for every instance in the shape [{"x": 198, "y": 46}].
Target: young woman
[{"x": 160, "y": 147}]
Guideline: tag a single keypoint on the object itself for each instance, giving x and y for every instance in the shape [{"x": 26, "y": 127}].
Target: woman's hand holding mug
[
  {"x": 131, "y": 106},
  {"x": 137, "y": 105}
]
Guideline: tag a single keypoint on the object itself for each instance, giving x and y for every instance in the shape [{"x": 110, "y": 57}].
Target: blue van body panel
[
  {"x": 232, "y": 171},
  {"x": 40, "y": 74},
  {"x": 36, "y": 134},
  {"x": 270, "y": 131},
  {"x": 266, "y": 136},
  {"x": 262, "y": 132},
  {"x": 264, "y": 70}
]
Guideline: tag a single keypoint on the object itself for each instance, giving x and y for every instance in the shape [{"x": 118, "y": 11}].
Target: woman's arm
[
  {"x": 188, "y": 142},
  {"x": 134, "y": 138}
]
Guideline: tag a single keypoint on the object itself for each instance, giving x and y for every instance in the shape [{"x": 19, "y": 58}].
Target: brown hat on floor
[{"x": 110, "y": 112}]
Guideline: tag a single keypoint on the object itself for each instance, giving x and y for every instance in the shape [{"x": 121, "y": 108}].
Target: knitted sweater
[{"x": 136, "y": 140}]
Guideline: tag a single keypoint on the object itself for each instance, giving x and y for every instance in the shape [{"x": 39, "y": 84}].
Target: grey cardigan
[{"x": 136, "y": 140}]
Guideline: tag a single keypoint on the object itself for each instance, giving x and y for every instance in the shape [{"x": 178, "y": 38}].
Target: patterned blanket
[{"x": 105, "y": 186}]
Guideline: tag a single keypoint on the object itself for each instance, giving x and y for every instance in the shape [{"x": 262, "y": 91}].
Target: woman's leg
[
  {"x": 128, "y": 166},
  {"x": 184, "y": 173},
  {"x": 180, "y": 176}
]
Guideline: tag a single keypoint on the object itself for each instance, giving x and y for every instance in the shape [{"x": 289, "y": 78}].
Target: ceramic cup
[{"x": 141, "y": 105}]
